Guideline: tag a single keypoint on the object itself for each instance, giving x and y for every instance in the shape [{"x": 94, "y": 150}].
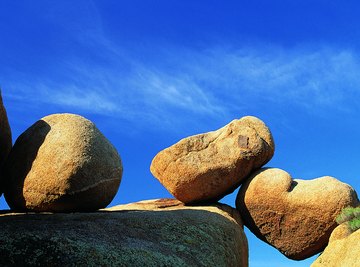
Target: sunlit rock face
[
  {"x": 208, "y": 166},
  {"x": 293, "y": 215},
  {"x": 61, "y": 163},
  {"x": 343, "y": 249}
]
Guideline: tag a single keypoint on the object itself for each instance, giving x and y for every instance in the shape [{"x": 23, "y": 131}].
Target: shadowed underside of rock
[
  {"x": 5, "y": 138},
  {"x": 208, "y": 166},
  {"x": 124, "y": 236}
]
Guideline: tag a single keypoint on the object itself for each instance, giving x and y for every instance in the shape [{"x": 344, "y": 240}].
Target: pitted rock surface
[
  {"x": 62, "y": 163},
  {"x": 149, "y": 233},
  {"x": 295, "y": 216},
  {"x": 208, "y": 166},
  {"x": 343, "y": 249}
]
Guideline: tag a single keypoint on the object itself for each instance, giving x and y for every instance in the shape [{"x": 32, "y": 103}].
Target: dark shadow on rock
[
  {"x": 19, "y": 163},
  {"x": 292, "y": 186},
  {"x": 5, "y": 138}
]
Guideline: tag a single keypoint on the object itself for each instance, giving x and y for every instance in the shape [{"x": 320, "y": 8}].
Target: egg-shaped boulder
[{"x": 62, "y": 163}]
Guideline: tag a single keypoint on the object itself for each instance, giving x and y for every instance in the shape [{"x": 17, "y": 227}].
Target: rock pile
[
  {"x": 295, "y": 216},
  {"x": 62, "y": 163}
]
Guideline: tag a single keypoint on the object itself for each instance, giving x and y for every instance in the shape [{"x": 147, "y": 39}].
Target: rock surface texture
[
  {"x": 62, "y": 163},
  {"x": 152, "y": 233},
  {"x": 5, "y": 138},
  {"x": 295, "y": 216},
  {"x": 208, "y": 166},
  {"x": 343, "y": 249}
]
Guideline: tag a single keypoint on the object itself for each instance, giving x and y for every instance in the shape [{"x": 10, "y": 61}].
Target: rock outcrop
[
  {"x": 151, "y": 233},
  {"x": 295, "y": 216},
  {"x": 5, "y": 138},
  {"x": 208, "y": 166},
  {"x": 343, "y": 249},
  {"x": 61, "y": 163}
]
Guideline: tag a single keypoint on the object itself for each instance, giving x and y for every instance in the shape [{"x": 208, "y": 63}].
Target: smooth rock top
[
  {"x": 5, "y": 138},
  {"x": 343, "y": 249},
  {"x": 295, "y": 216},
  {"x": 174, "y": 204},
  {"x": 151, "y": 233},
  {"x": 208, "y": 166},
  {"x": 62, "y": 163}
]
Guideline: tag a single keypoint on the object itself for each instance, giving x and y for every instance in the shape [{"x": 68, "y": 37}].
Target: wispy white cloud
[
  {"x": 75, "y": 98},
  {"x": 185, "y": 83},
  {"x": 178, "y": 91},
  {"x": 305, "y": 77},
  {"x": 162, "y": 83},
  {"x": 205, "y": 83}
]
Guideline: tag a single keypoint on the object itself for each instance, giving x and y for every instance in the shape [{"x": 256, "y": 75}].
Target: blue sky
[{"x": 149, "y": 73}]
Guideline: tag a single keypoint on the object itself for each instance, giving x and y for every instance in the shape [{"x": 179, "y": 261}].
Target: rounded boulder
[
  {"x": 206, "y": 167},
  {"x": 343, "y": 249},
  {"x": 62, "y": 163},
  {"x": 295, "y": 216}
]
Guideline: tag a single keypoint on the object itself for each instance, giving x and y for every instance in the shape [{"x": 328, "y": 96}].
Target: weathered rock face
[
  {"x": 5, "y": 138},
  {"x": 62, "y": 163},
  {"x": 295, "y": 216},
  {"x": 208, "y": 166},
  {"x": 146, "y": 234},
  {"x": 343, "y": 249}
]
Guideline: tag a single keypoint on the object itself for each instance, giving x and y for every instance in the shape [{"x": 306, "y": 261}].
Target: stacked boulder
[
  {"x": 206, "y": 167},
  {"x": 294, "y": 216},
  {"x": 62, "y": 163},
  {"x": 65, "y": 170}
]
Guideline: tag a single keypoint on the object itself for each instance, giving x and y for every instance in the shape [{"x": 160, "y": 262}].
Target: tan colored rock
[
  {"x": 208, "y": 166},
  {"x": 5, "y": 137},
  {"x": 295, "y": 216},
  {"x": 174, "y": 204},
  {"x": 62, "y": 163},
  {"x": 343, "y": 249},
  {"x": 152, "y": 233}
]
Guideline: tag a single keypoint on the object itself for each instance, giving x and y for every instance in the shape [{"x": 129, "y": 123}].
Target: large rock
[
  {"x": 343, "y": 249},
  {"x": 62, "y": 163},
  {"x": 295, "y": 216},
  {"x": 5, "y": 138},
  {"x": 155, "y": 233},
  {"x": 208, "y": 166}
]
